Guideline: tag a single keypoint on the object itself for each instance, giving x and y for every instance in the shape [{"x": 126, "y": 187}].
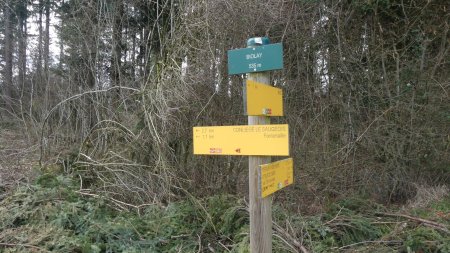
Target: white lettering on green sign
[
  {"x": 255, "y": 59},
  {"x": 253, "y": 56}
]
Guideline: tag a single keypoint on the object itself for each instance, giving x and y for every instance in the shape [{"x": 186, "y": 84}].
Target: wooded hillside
[{"x": 111, "y": 90}]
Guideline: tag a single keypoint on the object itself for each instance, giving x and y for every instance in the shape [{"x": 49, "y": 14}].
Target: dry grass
[
  {"x": 428, "y": 194},
  {"x": 17, "y": 158}
]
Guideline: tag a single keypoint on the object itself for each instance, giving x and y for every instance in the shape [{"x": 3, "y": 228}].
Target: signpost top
[{"x": 258, "y": 41}]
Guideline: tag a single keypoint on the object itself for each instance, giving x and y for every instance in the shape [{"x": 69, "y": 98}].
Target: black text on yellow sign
[
  {"x": 275, "y": 176},
  {"x": 257, "y": 140}
]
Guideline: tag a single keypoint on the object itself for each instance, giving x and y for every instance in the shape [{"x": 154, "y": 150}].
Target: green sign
[{"x": 255, "y": 59}]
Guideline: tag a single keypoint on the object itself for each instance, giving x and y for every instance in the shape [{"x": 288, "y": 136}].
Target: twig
[
  {"x": 296, "y": 243},
  {"x": 286, "y": 242},
  {"x": 204, "y": 107},
  {"x": 195, "y": 201},
  {"x": 335, "y": 217},
  {"x": 368, "y": 242},
  {"x": 199, "y": 244},
  {"x": 22, "y": 245},
  {"x": 115, "y": 201},
  {"x": 429, "y": 223},
  {"x": 223, "y": 246}
]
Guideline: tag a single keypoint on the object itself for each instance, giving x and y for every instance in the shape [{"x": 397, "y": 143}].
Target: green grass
[{"x": 50, "y": 215}]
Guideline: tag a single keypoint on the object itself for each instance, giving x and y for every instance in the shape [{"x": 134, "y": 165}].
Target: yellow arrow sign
[
  {"x": 258, "y": 140},
  {"x": 275, "y": 176},
  {"x": 263, "y": 99}
]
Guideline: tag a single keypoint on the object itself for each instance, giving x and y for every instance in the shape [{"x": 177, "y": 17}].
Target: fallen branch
[
  {"x": 371, "y": 242},
  {"x": 296, "y": 243},
  {"x": 432, "y": 224},
  {"x": 22, "y": 245},
  {"x": 335, "y": 217},
  {"x": 115, "y": 201}
]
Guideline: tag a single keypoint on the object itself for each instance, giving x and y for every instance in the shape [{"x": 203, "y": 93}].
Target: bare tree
[{"x": 8, "y": 54}]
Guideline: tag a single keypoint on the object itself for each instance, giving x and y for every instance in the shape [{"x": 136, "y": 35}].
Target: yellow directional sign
[
  {"x": 262, "y": 99},
  {"x": 276, "y": 176},
  {"x": 258, "y": 140}
]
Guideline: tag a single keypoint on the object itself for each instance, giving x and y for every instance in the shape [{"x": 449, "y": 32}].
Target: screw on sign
[{"x": 267, "y": 111}]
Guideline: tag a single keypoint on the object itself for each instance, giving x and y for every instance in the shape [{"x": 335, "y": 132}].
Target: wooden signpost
[
  {"x": 260, "y": 209},
  {"x": 259, "y": 140}
]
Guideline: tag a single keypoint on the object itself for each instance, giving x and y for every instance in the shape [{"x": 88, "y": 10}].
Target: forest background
[{"x": 110, "y": 91}]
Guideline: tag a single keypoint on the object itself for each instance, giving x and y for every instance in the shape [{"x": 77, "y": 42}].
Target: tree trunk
[
  {"x": 47, "y": 39},
  {"x": 39, "y": 57},
  {"x": 133, "y": 55},
  {"x": 46, "y": 54},
  {"x": 61, "y": 42},
  {"x": 8, "y": 54},
  {"x": 22, "y": 50},
  {"x": 117, "y": 44}
]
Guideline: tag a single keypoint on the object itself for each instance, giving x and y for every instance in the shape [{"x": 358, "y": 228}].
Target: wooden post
[{"x": 260, "y": 208}]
